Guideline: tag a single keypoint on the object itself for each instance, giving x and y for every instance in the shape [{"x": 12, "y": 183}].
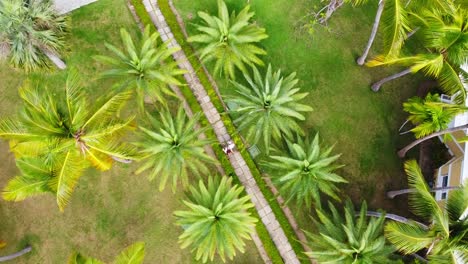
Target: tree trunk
[
  {"x": 55, "y": 59},
  {"x": 376, "y": 86},
  {"x": 392, "y": 194},
  {"x": 403, "y": 151},
  {"x": 361, "y": 60},
  {"x": 17, "y": 254},
  {"x": 394, "y": 217}
]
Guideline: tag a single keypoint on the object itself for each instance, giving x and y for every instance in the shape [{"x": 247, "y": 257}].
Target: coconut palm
[
  {"x": 66, "y": 134},
  {"x": 217, "y": 220},
  {"x": 229, "y": 40},
  {"x": 445, "y": 239},
  {"x": 430, "y": 115},
  {"x": 349, "y": 239},
  {"x": 134, "y": 254},
  {"x": 445, "y": 38},
  {"x": 306, "y": 171},
  {"x": 145, "y": 67},
  {"x": 172, "y": 148},
  {"x": 269, "y": 107},
  {"x": 29, "y": 31}
]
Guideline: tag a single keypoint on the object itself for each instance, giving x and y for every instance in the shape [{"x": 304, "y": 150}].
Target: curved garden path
[{"x": 237, "y": 161}]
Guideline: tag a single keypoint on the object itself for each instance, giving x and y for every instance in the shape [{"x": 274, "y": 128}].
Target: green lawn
[
  {"x": 362, "y": 124},
  {"x": 108, "y": 211}
]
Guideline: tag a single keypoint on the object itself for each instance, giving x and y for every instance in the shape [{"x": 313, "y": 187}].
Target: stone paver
[{"x": 243, "y": 172}]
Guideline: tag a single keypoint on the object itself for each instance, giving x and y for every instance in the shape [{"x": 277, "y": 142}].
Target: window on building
[
  {"x": 445, "y": 181},
  {"x": 444, "y": 196}
]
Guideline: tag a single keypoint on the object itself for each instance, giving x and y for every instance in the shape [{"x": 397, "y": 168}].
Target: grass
[
  {"x": 362, "y": 124},
  {"x": 108, "y": 211}
]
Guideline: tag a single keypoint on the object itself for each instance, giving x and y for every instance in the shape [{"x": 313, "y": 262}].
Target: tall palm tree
[
  {"x": 445, "y": 39},
  {"x": 430, "y": 115},
  {"x": 29, "y": 31},
  {"x": 269, "y": 106},
  {"x": 134, "y": 254},
  {"x": 306, "y": 171},
  {"x": 349, "y": 239},
  {"x": 171, "y": 148},
  {"x": 446, "y": 237},
  {"x": 229, "y": 40},
  {"x": 67, "y": 133},
  {"x": 146, "y": 67},
  {"x": 217, "y": 220}
]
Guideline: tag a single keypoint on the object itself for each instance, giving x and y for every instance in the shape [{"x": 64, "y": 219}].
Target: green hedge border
[{"x": 269, "y": 245}]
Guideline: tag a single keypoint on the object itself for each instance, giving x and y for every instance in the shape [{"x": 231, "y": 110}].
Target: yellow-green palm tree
[
  {"x": 445, "y": 239},
  {"x": 430, "y": 115},
  {"x": 28, "y": 30},
  {"x": 229, "y": 40},
  {"x": 445, "y": 39},
  {"x": 172, "y": 149},
  {"x": 67, "y": 133},
  {"x": 217, "y": 220},
  {"x": 268, "y": 107},
  {"x": 145, "y": 67},
  {"x": 306, "y": 171},
  {"x": 349, "y": 237},
  {"x": 134, "y": 254}
]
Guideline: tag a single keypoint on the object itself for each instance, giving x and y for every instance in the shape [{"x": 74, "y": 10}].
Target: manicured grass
[
  {"x": 108, "y": 211},
  {"x": 361, "y": 123}
]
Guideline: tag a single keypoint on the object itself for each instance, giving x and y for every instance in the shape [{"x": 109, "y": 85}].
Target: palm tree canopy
[
  {"x": 68, "y": 133},
  {"x": 217, "y": 220},
  {"x": 269, "y": 106},
  {"x": 28, "y": 30},
  {"x": 430, "y": 115},
  {"x": 351, "y": 239},
  {"x": 445, "y": 37},
  {"x": 146, "y": 67},
  {"x": 134, "y": 254},
  {"x": 447, "y": 236},
  {"x": 306, "y": 171},
  {"x": 229, "y": 40},
  {"x": 171, "y": 148}
]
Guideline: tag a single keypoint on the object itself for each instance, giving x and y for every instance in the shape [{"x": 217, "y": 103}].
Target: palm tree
[
  {"x": 66, "y": 134},
  {"x": 445, "y": 238},
  {"x": 134, "y": 254},
  {"x": 349, "y": 239},
  {"x": 446, "y": 44},
  {"x": 171, "y": 148},
  {"x": 306, "y": 171},
  {"x": 229, "y": 40},
  {"x": 217, "y": 221},
  {"x": 146, "y": 67},
  {"x": 269, "y": 107},
  {"x": 29, "y": 32},
  {"x": 430, "y": 115}
]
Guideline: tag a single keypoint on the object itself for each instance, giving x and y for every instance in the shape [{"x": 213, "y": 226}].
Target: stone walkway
[{"x": 242, "y": 170}]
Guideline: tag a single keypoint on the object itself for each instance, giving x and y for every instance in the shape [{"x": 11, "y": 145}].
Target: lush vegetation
[
  {"x": 59, "y": 133},
  {"x": 102, "y": 206},
  {"x": 29, "y": 31}
]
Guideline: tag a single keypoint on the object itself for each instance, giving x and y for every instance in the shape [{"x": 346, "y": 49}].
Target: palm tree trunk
[
  {"x": 392, "y": 194},
  {"x": 403, "y": 151},
  {"x": 55, "y": 59},
  {"x": 394, "y": 217},
  {"x": 361, "y": 60},
  {"x": 376, "y": 86},
  {"x": 17, "y": 254}
]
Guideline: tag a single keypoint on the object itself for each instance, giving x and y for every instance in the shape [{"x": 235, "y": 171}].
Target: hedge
[{"x": 269, "y": 245}]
